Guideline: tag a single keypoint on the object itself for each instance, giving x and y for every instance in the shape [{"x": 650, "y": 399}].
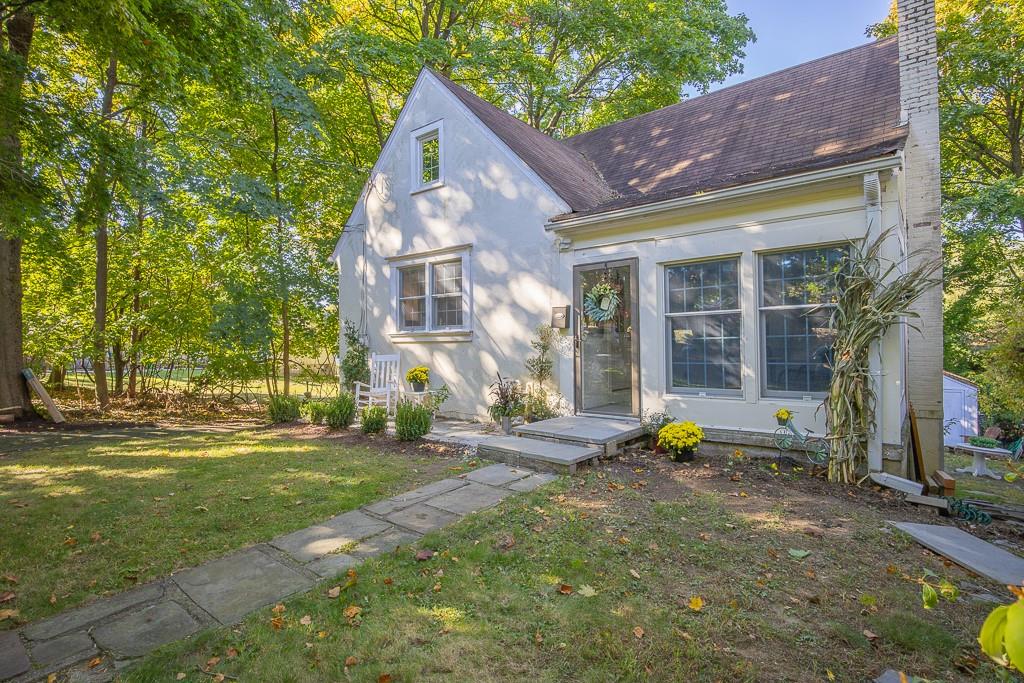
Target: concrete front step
[
  {"x": 607, "y": 434},
  {"x": 537, "y": 454}
]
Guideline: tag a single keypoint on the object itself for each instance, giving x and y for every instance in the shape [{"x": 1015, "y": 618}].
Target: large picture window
[
  {"x": 703, "y": 323},
  {"x": 798, "y": 295},
  {"x": 431, "y": 295}
]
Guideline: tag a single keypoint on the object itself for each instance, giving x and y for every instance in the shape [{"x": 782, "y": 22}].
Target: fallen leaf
[
  {"x": 219, "y": 678},
  {"x": 870, "y": 635},
  {"x": 277, "y": 623},
  {"x": 181, "y": 676},
  {"x": 638, "y": 632},
  {"x": 384, "y": 678},
  {"x": 696, "y": 603},
  {"x": 565, "y": 589},
  {"x": 798, "y": 554},
  {"x": 352, "y": 611},
  {"x": 212, "y": 662},
  {"x": 831, "y": 676},
  {"x": 10, "y": 578},
  {"x": 94, "y": 662},
  {"x": 278, "y": 608},
  {"x": 334, "y": 592},
  {"x": 437, "y": 588},
  {"x": 231, "y": 653},
  {"x": 634, "y": 573},
  {"x": 507, "y": 542},
  {"x": 306, "y": 620},
  {"x": 388, "y": 581},
  {"x": 891, "y": 569},
  {"x": 321, "y": 634},
  {"x": 53, "y": 598},
  {"x": 201, "y": 508},
  {"x": 7, "y": 596},
  {"x": 70, "y": 540},
  {"x": 351, "y": 661},
  {"x": 52, "y": 678},
  {"x": 8, "y": 614},
  {"x": 538, "y": 638},
  {"x": 587, "y": 591},
  {"x": 95, "y": 537},
  {"x": 245, "y": 498},
  {"x": 424, "y": 555}
]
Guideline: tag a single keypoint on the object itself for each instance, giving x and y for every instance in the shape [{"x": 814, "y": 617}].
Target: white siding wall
[{"x": 489, "y": 201}]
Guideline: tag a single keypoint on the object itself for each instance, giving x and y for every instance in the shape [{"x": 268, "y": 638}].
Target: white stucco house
[{"x": 707, "y": 219}]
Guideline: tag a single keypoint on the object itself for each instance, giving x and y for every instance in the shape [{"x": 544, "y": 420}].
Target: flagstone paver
[
  {"x": 472, "y": 498},
  {"x": 225, "y": 590},
  {"x": 318, "y": 540},
  {"x": 233, "y": 586},
  {"x": 137, "y": 633}
]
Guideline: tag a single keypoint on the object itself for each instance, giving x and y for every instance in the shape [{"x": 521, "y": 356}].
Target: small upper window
[{"x": 427, "y": 159}]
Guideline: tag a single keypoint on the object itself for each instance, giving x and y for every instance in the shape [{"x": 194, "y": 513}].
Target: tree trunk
[
  {"x": 57, "y": 375},
  {"x": 103, "y": 199},
  {"x": 119, "y": 365},
  {"x": 13, "y": 391},
  {"x": 275, "y": 170}
]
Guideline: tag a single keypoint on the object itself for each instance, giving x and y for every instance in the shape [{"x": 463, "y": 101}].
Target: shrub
[
  {"x": 508, "y": 398},
  {"x": 314, "y": 411},
  {"x": 283, "y": 409},
  {"x": 652, "y": 422},
  {"x": 537, "y": 405},
  {"x": 983, "y": 442},
  {"x": 412, "y": 421},
  {"x": 355, "y": 365},
  {"x": 341, "y": 412},
  {"x": 374, "y": 419}
]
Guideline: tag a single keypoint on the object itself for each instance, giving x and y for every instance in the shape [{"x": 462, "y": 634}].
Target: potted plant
[
  {"x": 681, "y": 439},
  {"x": 652, "y": 423},
  {"x": 783, "y": 416},
  {"x": 508, "y": 402},
  {"x": 418, "y": 377}
]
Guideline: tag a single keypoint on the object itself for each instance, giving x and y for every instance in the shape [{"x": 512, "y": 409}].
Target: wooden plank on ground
[
  {"x": 40, "y": 390},
  {"x": 891, "y": 481},
  {"x": 928, "y": 501},
  {"x": 917, "y": 471}
]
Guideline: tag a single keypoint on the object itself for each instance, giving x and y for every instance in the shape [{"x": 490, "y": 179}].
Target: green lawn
[
  {"x": 636, "y": 544},
  {"x": 99, "y": 516},
  {"x": 984, "y": 488}
]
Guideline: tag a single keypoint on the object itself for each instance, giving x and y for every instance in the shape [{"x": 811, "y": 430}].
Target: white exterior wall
[
  {"x": 808, "y": 217},
  {"x": 960, "y": 407},
  {"x": 490, "y": 202}
]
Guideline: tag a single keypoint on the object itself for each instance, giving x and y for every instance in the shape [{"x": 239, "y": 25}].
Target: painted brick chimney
[{"x": 919, "y": 100}]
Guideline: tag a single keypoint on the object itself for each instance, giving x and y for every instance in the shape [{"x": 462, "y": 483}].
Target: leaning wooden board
[{"x": 40, "y": 390}]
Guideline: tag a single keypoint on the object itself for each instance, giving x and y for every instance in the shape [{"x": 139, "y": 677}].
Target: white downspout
[{"x": 873, "y": 220}]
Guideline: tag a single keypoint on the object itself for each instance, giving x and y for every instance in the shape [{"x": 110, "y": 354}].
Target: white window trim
[
  {"x": 416, "y": 139},
  {"x": 667, "y": 316},
  {"x": 762, "y": 346},
  {"x": 430, "y": 332}
]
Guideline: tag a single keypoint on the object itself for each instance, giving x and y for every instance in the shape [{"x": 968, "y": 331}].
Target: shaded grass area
[
  {"x": 491, "y": 605},
  {"x": 96, "y": 516},
  {"x": 984, "y": 488}
]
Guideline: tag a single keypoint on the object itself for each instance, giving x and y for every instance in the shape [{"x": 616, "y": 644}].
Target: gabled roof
[
  {"x": 835, "y": 110},
  {"x": 562, "y": 168}
]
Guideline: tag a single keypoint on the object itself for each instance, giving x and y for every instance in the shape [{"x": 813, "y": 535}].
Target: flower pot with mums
[
  {"x": 418, "y": 377},
  {"x": 680, "y": 439},
  {"x": 783, "y": 416}
]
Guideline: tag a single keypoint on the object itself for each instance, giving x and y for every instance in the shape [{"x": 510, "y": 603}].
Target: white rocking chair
[{"x": 384, "y": 383}]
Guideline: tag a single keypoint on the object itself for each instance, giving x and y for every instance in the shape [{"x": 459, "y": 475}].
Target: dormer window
[{"x": 427, "y": 157}]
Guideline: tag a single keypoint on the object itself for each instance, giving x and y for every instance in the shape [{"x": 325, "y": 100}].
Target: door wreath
[{"x": 601, "y": 302}]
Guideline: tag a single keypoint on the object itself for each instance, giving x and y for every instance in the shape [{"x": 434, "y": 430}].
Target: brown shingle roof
[{"x": 834, "y": 110}]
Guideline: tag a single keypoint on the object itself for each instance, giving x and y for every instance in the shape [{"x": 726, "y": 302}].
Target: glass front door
[{"x": 607, "y": 348}]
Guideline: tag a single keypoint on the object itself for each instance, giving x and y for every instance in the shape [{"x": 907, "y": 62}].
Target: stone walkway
[{"x": 129, "y": 625}]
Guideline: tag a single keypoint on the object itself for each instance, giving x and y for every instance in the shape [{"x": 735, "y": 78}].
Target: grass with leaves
[
  {"x": 657, "y": 572},
  {"x": 99, "y": 515}
]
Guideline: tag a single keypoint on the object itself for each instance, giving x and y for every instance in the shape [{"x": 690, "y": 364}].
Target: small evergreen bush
[
  {"x": 314, "y": 411},
  {"x": 341, "y": 412},
  {"x": 375, "y": 419},
  {"x": 412, "y": 421},
  {"x": 355, "y": 364},
  {"x": 283, "y": 409}
]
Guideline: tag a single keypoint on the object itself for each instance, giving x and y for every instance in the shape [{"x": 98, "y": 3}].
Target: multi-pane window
[
  {"x": 447, "y": 294},
  {"x": 430, "y": 158},
  {"x": 430, "y": 296},
  {"x": 412, "y": 298},
  {"x": 704, "y": 326},
  {"x": 798, "y": 294}
]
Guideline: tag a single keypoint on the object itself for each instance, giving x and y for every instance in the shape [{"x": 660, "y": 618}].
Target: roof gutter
[{"x": 581, "y": 223}]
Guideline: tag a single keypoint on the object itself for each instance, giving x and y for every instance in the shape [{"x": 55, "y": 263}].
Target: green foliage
[
  {"x": 314, "y": 411},
  {"x": 341, "y": 411},
  {"x": 283, "y": 409},
  {"x": 412, "y": 421},
  {"x": 374, "y": 419},
  {"x": 355, "y": 365},
  {"x": 983, "y": 442},
  {"x": 540, "y": 366},
  {"x": 652, "y": 422},
  {"x": 537, "y": 404}
]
